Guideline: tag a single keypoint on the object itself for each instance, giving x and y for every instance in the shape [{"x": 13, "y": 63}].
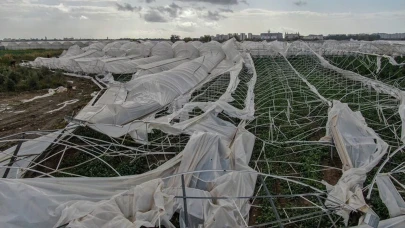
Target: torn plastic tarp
[
  {"x": 375, "y": 84},
  {"x": 139, "y": 129},
  {"x": 148, "y": 93},
  {"x": 183, "y": 52},
  {"x": 70, "y": 65},
  {"x": 151, "y": 204},
  {"x": 114, "y": 49},
  {"x": 73, "y": 51},
  {"x": 157, "y": 67},
  {"x": 159, "y": 52},
  {"x": 102, "y": 65},
  {"x": 125, "y": 65},
  {"x": 360, "y": 149},
  {"x": 96, "y": 46},
  {"x": 398, "y": 222},
  {"x": 28, "y": 151},
  {"x": 390, "y": 195},
  {"x": 50, "y": 62},
  {"x": 140, "y": 199}
]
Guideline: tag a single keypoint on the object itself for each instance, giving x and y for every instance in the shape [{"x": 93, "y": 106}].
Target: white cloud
[
  {"x": 187, "y": 26},
  {"x": 62, "y": 8},
  {"x": 83, "y": 17}
]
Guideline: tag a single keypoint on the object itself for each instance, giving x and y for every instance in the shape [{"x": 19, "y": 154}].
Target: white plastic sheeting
[
  {"x": 397, "y": 222},
  {"x": 375, "y": 84},
  {"x": 48, "y": 45},
  {"x": 330, "y": 47},
  {"x": 67, "y": 62},
  {"x": 117, "y": 57},
  {"x": 73, "y": 51},
  {"x": 157, "y": 67},
  {"x": 96, "y": 46},
  {"x": 182, "y": 52},
  {"x": 114, "y": 49},
  {"x": 158, "y": 52},
  {"x": 360, "y": 149},
  {"x": 148, "y": 93},
  {"x": 133, "y": 48},
  {"x": 102, "y": 65},
  {"x": 206, "y": 122},
  {"x": 27, "y": 152},
  {"x": 390, "y": 196},
  {"x": 141, "y": 200}
]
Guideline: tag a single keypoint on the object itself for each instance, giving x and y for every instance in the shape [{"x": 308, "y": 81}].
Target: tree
[
  {"x": 205, "y": 38},
  {"x": 174, "y": 38},
  {"x": 187, "y": 39}
]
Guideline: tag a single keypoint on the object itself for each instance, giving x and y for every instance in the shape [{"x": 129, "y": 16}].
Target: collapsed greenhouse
[{"x": 251, "y": 134}]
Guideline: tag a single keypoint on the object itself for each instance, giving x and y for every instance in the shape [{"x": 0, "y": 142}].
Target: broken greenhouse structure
[{"x": 250, "y": 134}]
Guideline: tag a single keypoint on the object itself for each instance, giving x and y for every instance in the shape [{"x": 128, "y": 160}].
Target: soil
[
  {"x": 20, "y": 117},
  {"x": 255, "y": 212},
  {"x": 332, "y": 176}
]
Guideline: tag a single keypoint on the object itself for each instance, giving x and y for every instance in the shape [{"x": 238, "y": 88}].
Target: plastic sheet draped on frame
[
  {"x": 360, "y": 150},
  {"x": 145, "y": 199},
  {"x": 183, "y": 52},
  {"x": 148, "y": 93}
]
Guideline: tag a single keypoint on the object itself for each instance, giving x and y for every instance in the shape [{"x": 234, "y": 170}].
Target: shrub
[
  {"x": 14, "y": 76},
  {"x": 2, "y": 79},
  {"x": 10, "y": 85},
  {"x": 22, "y": 86},
  {"x": 33, "y": 83}
]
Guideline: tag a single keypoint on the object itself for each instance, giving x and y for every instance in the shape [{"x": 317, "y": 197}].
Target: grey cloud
[
  {"x": 173, "y": 10},
  {"x": 225, "y": 10},
  {"x": 213, "y": 16},
  {"x": 150, "y": 1},
  {"x": 127, "y": 7},
  {"x": 200, "y": 8},
  {"x": 300, "y": 3},
  {"x": 218, "y": 2},
  {"x": 154, "y": 16},
  {"x": 244, "y": 1}
]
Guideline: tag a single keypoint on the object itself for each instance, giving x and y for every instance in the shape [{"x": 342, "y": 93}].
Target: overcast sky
[{"x": 161, "y": 18}]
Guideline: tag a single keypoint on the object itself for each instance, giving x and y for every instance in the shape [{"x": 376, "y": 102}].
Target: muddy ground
[{"x": 17, "y": 116}]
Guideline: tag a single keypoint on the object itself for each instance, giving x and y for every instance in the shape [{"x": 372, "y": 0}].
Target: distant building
[
  {"x": 250, "y": 36},
  {"x": 394, "y": 36},
  {"x": 242, "y": 36},
  {"x": 313, "y": 37},
  {"x": 256, "y": 37},
  {"x": 271, "y": 36},
  {"x": 292, "y": 36}
]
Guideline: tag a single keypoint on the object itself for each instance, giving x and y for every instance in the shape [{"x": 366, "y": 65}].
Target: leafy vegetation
[{"x": 14, "y": 78}]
